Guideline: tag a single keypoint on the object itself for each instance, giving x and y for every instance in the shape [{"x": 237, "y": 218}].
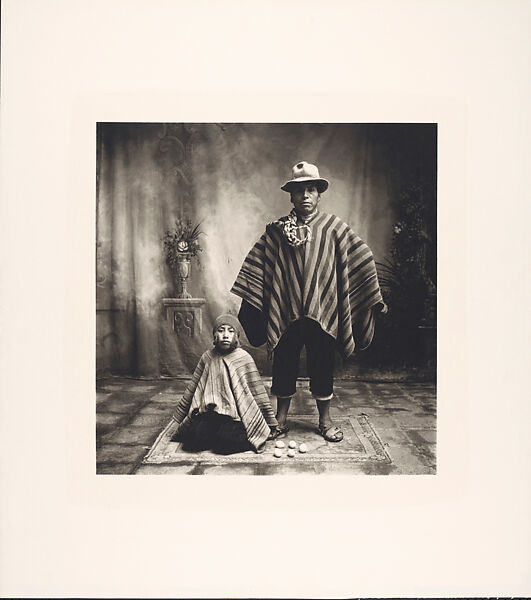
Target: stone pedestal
[{"x": 184, "y": 315}]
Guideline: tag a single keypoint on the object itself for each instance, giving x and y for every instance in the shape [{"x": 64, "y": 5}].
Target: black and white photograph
[
  {"x": 264, "y": 299},
  {"x": 260, "y": 314}
]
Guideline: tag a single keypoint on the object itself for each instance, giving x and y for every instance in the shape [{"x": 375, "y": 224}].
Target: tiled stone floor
[{"x": 131, "y": 414}]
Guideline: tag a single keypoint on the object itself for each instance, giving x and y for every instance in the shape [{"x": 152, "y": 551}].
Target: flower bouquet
[{"x": 180, "y": 244}]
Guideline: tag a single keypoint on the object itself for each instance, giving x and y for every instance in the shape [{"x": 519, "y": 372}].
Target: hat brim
[{"x": 320, "y": 184}]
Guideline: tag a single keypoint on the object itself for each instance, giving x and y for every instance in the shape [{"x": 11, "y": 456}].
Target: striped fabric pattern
[
  {"x": 331, "y": 279},
  {"x": 233, "y": 384}
]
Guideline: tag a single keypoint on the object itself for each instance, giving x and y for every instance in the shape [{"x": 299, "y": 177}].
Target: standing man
[{"x": 308, "y": 281}]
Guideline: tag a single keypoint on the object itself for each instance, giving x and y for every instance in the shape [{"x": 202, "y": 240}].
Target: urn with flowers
[{"x": 181, "y": 243}]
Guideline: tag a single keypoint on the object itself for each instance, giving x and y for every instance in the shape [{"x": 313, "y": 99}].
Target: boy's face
[{"x": 225, "y": 338}]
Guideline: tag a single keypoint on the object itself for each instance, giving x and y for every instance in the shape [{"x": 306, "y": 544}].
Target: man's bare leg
[
  {"x": 329, "y": 431},
  {"x": 282, "y": 410}
]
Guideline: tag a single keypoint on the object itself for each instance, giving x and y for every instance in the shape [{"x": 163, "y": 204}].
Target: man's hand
[{"x": 384, "y": 308}]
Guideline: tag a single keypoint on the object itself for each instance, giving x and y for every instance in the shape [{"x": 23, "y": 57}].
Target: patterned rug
[{"x": 360, "y": 444}]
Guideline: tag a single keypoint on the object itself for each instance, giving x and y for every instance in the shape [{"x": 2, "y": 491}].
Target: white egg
[
  {"x": 291, "y": 453},
  {"x": 277, "y": 452},
  {"x": 303, "y": 448},
  {"x": 292, "y": 444},
  {"x": 279, "y": 444}
]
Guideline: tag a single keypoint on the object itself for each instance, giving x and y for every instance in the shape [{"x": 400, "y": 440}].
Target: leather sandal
[
  {"x": 277, "y": 432},
  {"x": 331, "y": 433}
]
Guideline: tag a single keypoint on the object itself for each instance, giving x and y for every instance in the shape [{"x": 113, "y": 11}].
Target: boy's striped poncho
[
  {"x": 331, "y": 279},
  {"x": 232, "y": 384}
]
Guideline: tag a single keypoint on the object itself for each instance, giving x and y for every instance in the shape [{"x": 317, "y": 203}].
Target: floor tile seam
[
  {"x": 108, "y": 443},
  {"x": 102, "y": 384},
  {"x": 131, "y": 415},
  {"x": 131, "y": 464},
  {"x": 129, "y": 444},
  {"x": 133, "y": 397},
  {"x": 153, "y": 411},
  {"x": 406, "y": 445},
  {"x": 113, "y": 425},
  {"x": 410, "y": 393},
  {"x": 415, "y": 469},
  {"x": 394, "y": 399},
  {"x": 149, "y": 421},
  {"x": 158, "y": 401},
  {"x": 410, "y": 444},
  {"x": 422, "y": 443},
  {"x": 158, "y": 408},
  {"x": 111, "y": 412},
  {"x": 405, "y": 428},
  {"x": 132, "y": 424},
  {"x": 403, "y": 443},
  {"x": 135, "y": 413},
  {"x": 428, "y": 460}
]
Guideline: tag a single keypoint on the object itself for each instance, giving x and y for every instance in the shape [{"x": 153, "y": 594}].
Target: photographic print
[
  {"x": 266, "y": 298},
  {"x": 235, "y": 251}
]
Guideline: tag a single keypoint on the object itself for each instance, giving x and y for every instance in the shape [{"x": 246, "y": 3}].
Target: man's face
[
  {"x": 225, "y": 338},
  {"x": 305, "y": 198}
]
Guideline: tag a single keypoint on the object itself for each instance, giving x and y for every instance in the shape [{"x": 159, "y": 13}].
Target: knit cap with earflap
[{"x": 228, "y": 320}]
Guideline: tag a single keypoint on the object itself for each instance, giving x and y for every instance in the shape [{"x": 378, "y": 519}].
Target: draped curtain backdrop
[{"x": 228, "y": 178}]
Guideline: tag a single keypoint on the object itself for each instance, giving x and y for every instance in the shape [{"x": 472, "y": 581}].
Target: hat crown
[{"x": 306, "y": 170}]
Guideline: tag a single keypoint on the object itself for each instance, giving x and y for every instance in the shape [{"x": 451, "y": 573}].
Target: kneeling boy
[{"x": 225, "y": 408}]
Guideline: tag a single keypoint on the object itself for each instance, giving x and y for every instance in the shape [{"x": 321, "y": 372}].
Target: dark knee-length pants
[{"x": 320, "y": 354}]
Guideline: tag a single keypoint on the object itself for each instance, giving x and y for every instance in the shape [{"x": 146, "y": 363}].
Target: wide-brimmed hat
[{"x": 303, "y": 172}]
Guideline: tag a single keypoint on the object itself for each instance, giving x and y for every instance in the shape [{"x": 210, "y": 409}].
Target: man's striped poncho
[
  {"x": 232, "y": 384},
  {"x": 331, "y": 279}
]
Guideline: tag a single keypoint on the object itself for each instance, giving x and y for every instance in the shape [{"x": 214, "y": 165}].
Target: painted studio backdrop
[{"x": 226, "y": 178}]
